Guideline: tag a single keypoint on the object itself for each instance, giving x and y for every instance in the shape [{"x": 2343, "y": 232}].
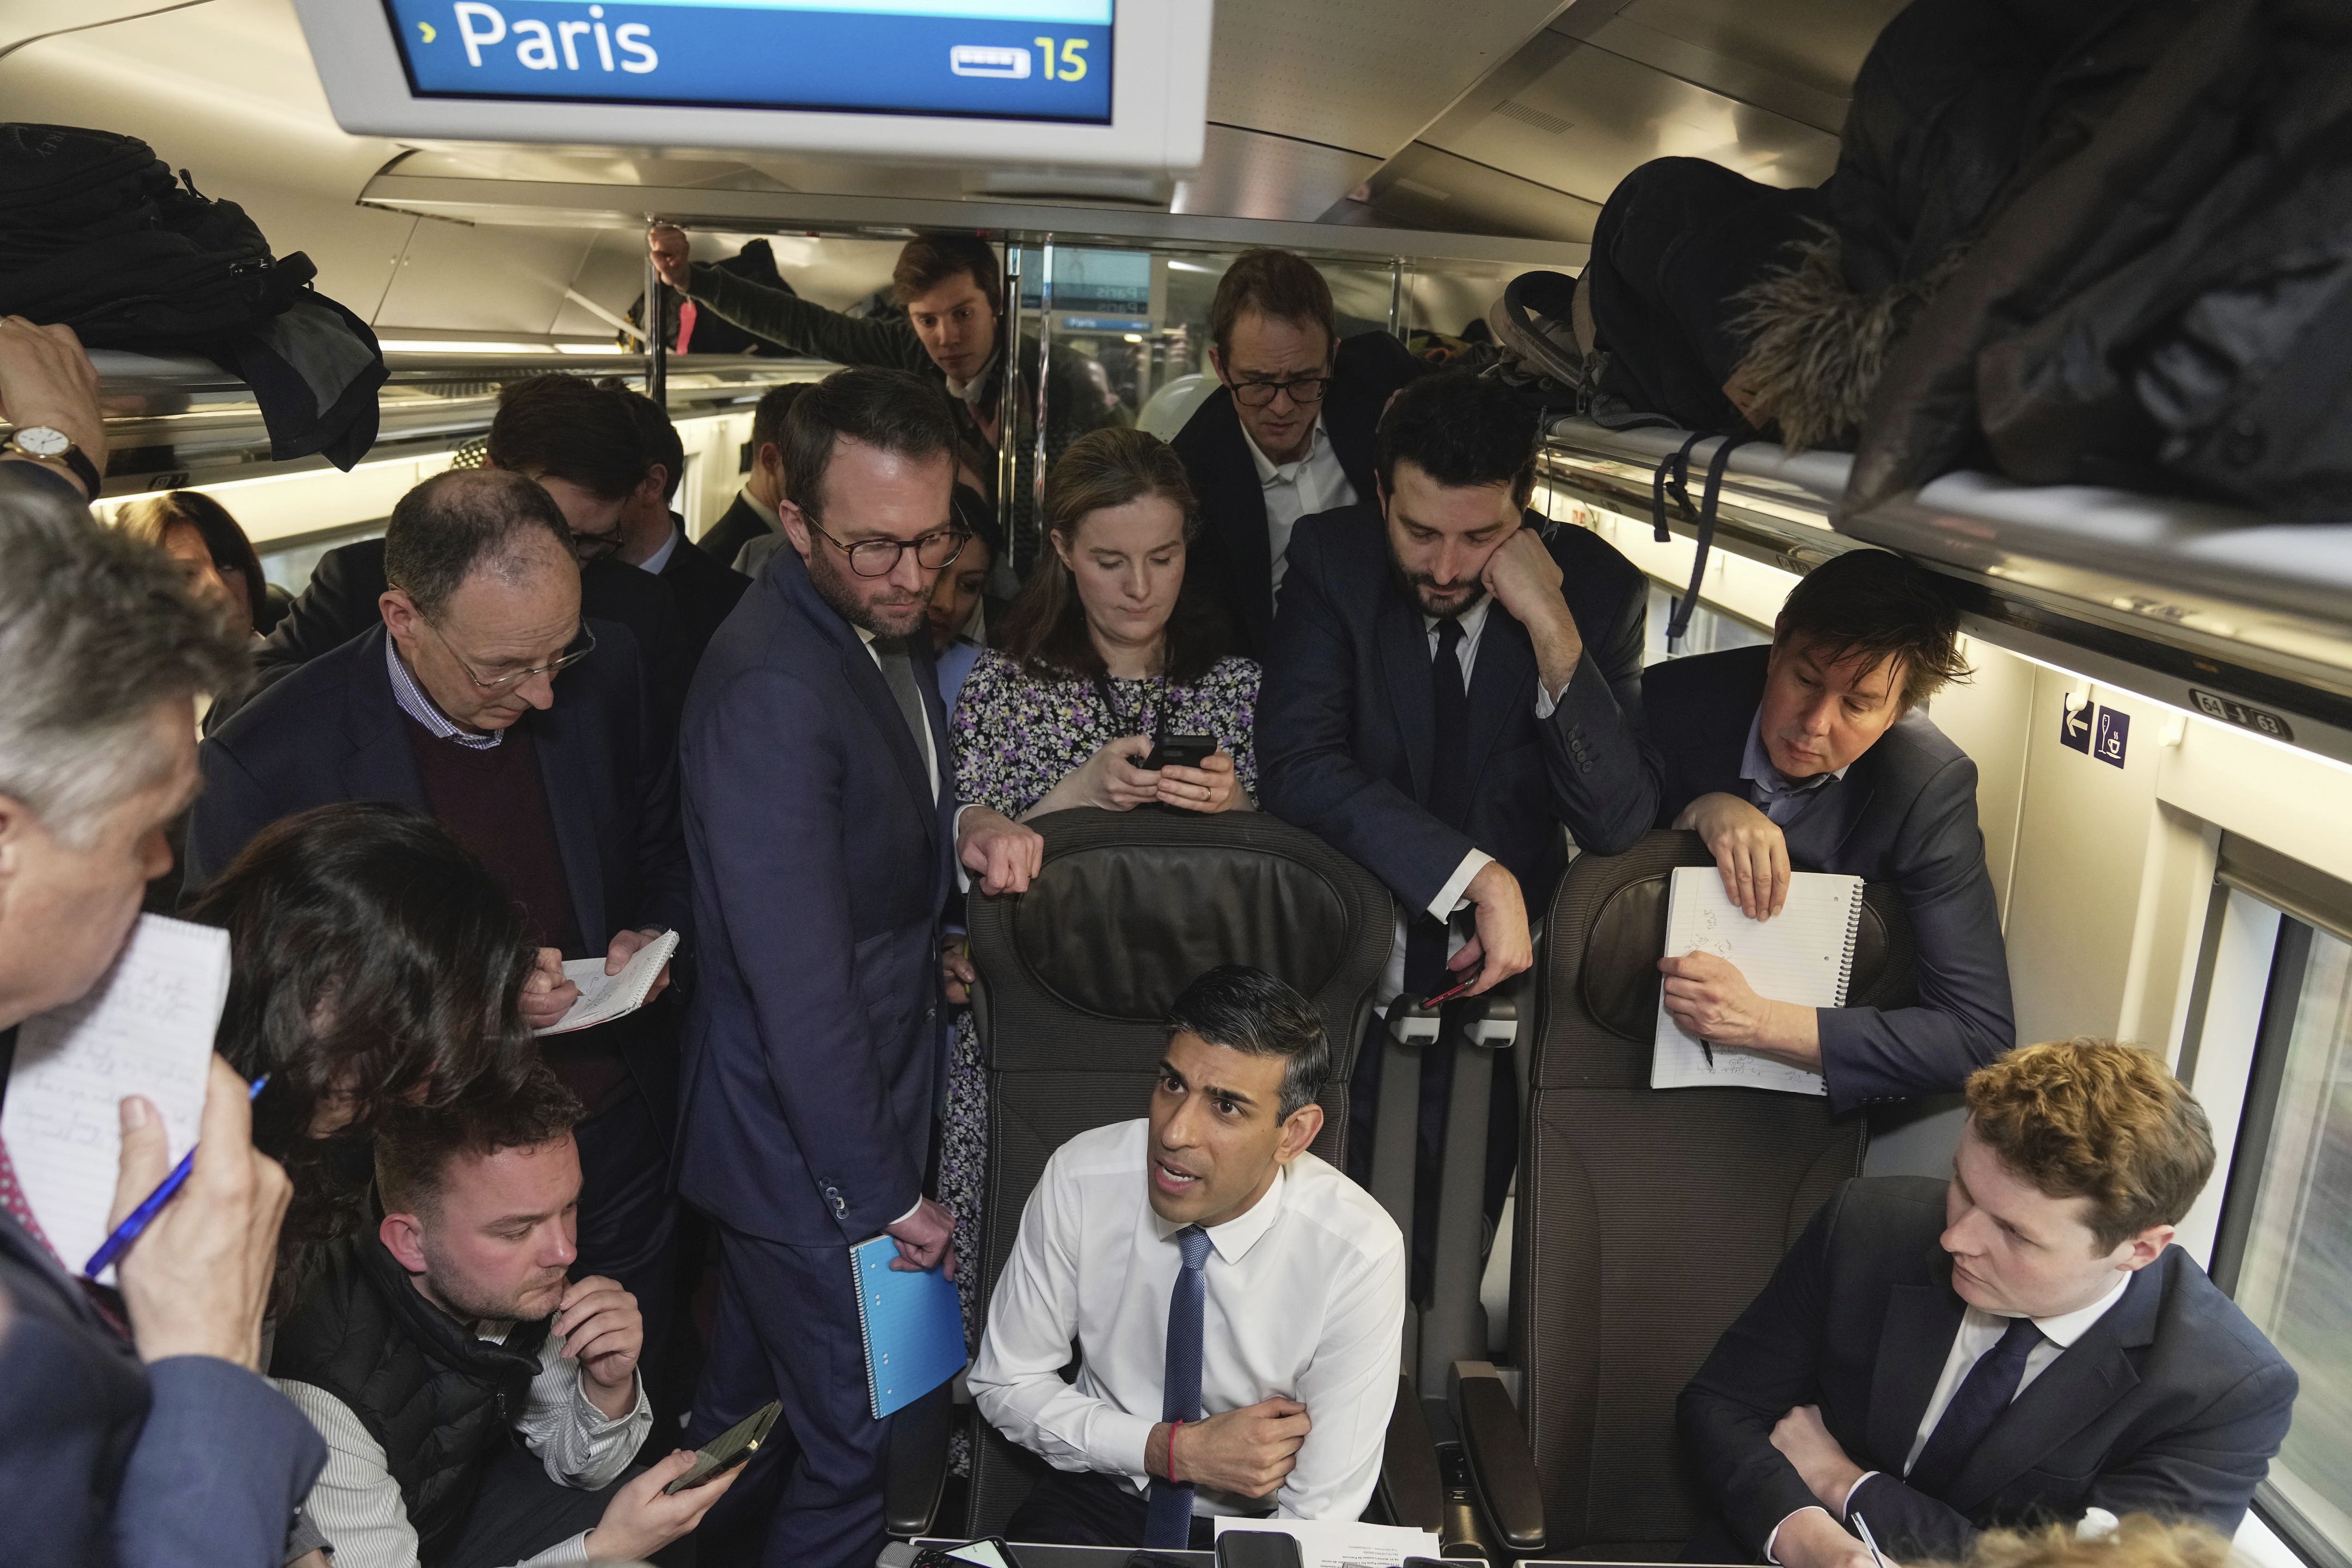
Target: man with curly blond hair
[{"x": 2019, "y": 1344}]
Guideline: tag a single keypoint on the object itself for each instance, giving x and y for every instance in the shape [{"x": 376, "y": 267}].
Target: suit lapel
[
  {"x": 1922, "y": 1320},
  {"x": 1501, "y": 678},
  {"x": 866, "y": 679},
  {"x": 574, "y": 776},
  {"x": 380, "y": 765},
  {"x": 1404, "y": 658},
  {"x": 1821, "y": 829},
  {"x": 1236, "y": 503},
  {"x": 2085, "y": 1383}
]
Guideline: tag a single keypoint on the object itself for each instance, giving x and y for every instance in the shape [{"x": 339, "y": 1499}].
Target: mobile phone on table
[
  {"x": 1179, "y": 751},
  {"x": 729, "y": 1449},
  {"x": 988, "y": 1551},
  {"x": 1257, "y": 1549}
]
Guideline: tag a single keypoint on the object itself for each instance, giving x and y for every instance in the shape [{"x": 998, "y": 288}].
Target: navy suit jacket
[
  {"x": 707, "y": 592},
  {"x": 1905, "y": 813},
  {"x": 1347, "y": 722},
  {"x": 2171, "y": 1404},
  {"x": 331, "y": 731},
  {"x": 189, "y": 1462},
  {"x": 821, "y": 865},
  {"x": 1232, "y": 562},
  {"x": 737, "y": 526}
]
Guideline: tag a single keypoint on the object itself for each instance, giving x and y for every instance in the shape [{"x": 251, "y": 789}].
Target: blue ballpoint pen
[{"x": 140, "y": 1217}]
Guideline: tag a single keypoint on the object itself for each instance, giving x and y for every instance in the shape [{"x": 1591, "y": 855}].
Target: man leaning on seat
[
  {"x": 1237, "y": 1303},
  {"x": 2021, "y": 1342}
]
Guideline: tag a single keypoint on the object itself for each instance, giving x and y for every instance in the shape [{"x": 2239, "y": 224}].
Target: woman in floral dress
[{"x": 1099, "y": 656}]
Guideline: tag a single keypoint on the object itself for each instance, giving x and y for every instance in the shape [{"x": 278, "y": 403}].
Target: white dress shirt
[
  {"x": 660, "y": 558},
  {"x": 1979, "y": 1331},
  {"x": 1449, "y": 897},
  {"x": 357, "y": 1504},
  {"x": 1304, "y": 1300},
  {"x": 1314, "y": 482}
]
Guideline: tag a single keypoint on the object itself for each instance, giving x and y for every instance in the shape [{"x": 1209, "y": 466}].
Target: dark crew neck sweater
[{"x": 494, "y": 799}]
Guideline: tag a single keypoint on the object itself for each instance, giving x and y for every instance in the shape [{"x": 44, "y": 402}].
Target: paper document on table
[
  {"x": 604, "y": 997},
  {"x": 145, "y": 1028},
  {"x": 1803, "y": 954},
  {"x": 1343, "y": 1543}
]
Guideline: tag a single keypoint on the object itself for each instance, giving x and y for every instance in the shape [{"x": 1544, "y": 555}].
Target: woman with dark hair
[
  {"x": 1101, "y": 656},
  {"x": 198, "y": 532},
  {"x": 375, "y": 964},
  {"x": 959, "y": 612}
]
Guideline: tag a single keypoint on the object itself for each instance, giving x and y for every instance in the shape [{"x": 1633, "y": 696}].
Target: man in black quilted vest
[{"x": 480, "y": 1408}]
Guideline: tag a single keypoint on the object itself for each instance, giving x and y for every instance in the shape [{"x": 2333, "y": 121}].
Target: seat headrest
[{"x": 1117, "y": 929}]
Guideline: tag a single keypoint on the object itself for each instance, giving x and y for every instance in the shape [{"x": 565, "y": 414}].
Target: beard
[
  {"x": 469, "y": 1301},
  {"x": 837, "y": 586},
  {"x": 1421, "y": 588}
]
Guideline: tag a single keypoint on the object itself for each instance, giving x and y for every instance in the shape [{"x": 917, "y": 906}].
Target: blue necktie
[
  {"x": 1982, "y": 1395},
  {"x": 1168, "y": 1526}
]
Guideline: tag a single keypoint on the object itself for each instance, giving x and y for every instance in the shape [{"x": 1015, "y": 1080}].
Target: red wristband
[{"x": 1174, "y": 1428}]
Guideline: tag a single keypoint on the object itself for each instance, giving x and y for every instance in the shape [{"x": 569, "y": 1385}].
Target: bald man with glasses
[{"x": 484, "y": 700}]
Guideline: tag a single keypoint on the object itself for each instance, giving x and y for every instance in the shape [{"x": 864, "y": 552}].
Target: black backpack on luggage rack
[{"x": 96, "y": 234}]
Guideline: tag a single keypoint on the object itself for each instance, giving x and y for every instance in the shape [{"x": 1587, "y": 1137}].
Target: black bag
[{"x": 96, "y": 234}]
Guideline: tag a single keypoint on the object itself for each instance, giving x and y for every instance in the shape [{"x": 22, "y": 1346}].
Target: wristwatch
[{"x": 53, "y": 444}]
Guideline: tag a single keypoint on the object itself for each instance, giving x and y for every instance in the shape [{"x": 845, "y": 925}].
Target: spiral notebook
[
  {"x": 1803, "y": 954},
  {"x": 912, "y": 1323},
  {"x": 604, "y": 997}
]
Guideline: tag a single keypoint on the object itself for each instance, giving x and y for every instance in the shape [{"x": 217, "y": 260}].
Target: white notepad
[
  {"x": 604, "y": 997},
  {"x": 145, "y": 1028},
  {"x": 1803, "y": 954}
]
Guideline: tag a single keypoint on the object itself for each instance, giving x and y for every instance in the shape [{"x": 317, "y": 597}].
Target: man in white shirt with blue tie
[{"x": 1238, "y": 1304}]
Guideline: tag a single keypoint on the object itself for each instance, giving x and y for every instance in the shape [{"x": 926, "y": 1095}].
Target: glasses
[
  {"x": 880, "y": 557},
  {"x": 581, "y": 647},
  {"x": 1305, "y": 391}
]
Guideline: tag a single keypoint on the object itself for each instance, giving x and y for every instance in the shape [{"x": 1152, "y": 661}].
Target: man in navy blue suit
[
  {"x": 1816, "y": 754},
  {"x": 486, "y": 700},
  {"x": 822, "y": 824},
  {"x": 143, "y": 1436},
  {"x": 1428, "y": 704}
]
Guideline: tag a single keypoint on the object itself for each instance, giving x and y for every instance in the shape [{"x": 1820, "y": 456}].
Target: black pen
[{"x": 1709, "y": 1050}]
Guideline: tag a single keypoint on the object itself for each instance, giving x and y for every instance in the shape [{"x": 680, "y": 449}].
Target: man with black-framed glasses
[
  {"x": 1289, "y": 433},
  {"x": 483, "y": 698},
  {"x": 822, "y": 824}
]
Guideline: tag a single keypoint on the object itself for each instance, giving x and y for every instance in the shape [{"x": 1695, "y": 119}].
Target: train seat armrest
[
  {"x": 1411, "y": 1492},
  {"x": 917, "y": 1472},
  {"x": 1503, "y": 1477}
]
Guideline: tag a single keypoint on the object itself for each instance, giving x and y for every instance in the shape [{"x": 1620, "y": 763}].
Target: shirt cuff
[
  {"x": 1547, "y": 702},
  {"x": 1773, "y": 1540},
  {"x": 955, "y": 841},
  {"x": 595, "y": 1424},
  {"x": 571, "y": 1554},
  {"x": 1853, "y": 1491},
  {"x": 908, "y": 1215},
  {"x": 1449, "y": 897},
  {"x": 1123, "y": 1441}
]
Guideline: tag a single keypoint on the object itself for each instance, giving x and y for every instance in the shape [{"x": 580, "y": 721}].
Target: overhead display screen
[{"x": 992, "y": 60}]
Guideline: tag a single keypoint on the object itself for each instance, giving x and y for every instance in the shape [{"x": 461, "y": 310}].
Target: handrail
[{"x": 180, "y": 421}]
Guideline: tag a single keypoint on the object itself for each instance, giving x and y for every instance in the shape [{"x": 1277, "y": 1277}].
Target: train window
[
  {"x": 2284, "y": 1247},
  {"x": 1710, "y": 631}
]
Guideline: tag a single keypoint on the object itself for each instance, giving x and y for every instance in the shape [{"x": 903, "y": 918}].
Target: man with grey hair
[
  {"x": 451, "y": 707},
  {"x": 153, "y": 1441},
  {"x": 1280, "y": 1282}
]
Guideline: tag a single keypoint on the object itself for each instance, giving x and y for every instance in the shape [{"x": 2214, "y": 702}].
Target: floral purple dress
[{"x": 1017, "y": 736}]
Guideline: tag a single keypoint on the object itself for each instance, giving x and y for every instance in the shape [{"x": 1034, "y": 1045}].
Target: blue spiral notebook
[{"x": 913, "y": 1326}]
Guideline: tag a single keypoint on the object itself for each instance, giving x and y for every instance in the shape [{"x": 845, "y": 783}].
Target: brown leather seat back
[
  {"x": 1078, "y": 972},
  {"x": 1648, "y": 1219}
]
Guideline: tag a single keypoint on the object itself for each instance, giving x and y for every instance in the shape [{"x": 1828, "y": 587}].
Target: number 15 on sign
[{"x": 1072, "y": 66}]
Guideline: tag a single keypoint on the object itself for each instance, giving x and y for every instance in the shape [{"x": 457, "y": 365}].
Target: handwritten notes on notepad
[
  {"x": 1335, "y": 1543},
  {"x": 604, "y": 997},
  {"x": 145, "y": 1028},
  {"x": 1803, "y": 954}
]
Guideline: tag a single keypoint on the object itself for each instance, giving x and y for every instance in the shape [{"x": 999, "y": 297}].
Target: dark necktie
[
  {"x": 1449, "y": 799},
  {"x": 899, "y": 670},
  {"x": 1167, "y": 1524},
  {"x": 1982, "y": 1395}
]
